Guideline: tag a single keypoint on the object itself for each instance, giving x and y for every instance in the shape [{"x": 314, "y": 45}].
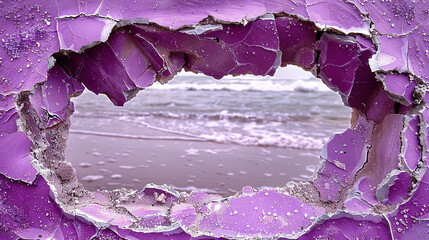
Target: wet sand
[
  {"x": 165, "y": 135},
  {"x": 106, "y": 162}
]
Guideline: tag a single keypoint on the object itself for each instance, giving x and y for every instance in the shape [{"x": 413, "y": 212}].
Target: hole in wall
[{"x": 212, "y": 135}]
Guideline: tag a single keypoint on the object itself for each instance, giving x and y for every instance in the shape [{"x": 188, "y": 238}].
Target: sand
[{"x": 106, "y": 162}]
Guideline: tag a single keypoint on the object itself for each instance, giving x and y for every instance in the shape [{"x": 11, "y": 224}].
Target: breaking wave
[
  {"x": 244, "y": 85},
  {"x": 261, "y": 139},
  {"x": 249, "y": 117},
  {"x": 247, "y": 111},
  {"x": 269, "y": 140}
]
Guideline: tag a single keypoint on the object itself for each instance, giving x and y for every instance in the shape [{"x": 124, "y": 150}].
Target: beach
[{"x": 212, "y": 135}]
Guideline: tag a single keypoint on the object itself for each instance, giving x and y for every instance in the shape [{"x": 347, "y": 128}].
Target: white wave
[
  {"x": 244, "y": 85},
  {"x": 255, "y": 138},
  {"x": 252, "y": 135},
  {"x": 210, "y": 116},
  {"x": 268, "y": 139}
]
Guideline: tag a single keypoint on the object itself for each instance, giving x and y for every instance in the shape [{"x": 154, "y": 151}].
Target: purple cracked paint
[{"x": 371, "y": 184}]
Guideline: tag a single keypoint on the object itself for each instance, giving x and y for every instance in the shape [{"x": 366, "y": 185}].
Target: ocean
[{"x": 199, "y": 133}]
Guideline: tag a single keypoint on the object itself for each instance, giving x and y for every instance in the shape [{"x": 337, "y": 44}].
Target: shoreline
[{"x": 109, "y": 163}]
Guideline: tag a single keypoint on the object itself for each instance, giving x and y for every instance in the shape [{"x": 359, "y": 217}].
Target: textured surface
[{"x": 371, "y": 183}]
